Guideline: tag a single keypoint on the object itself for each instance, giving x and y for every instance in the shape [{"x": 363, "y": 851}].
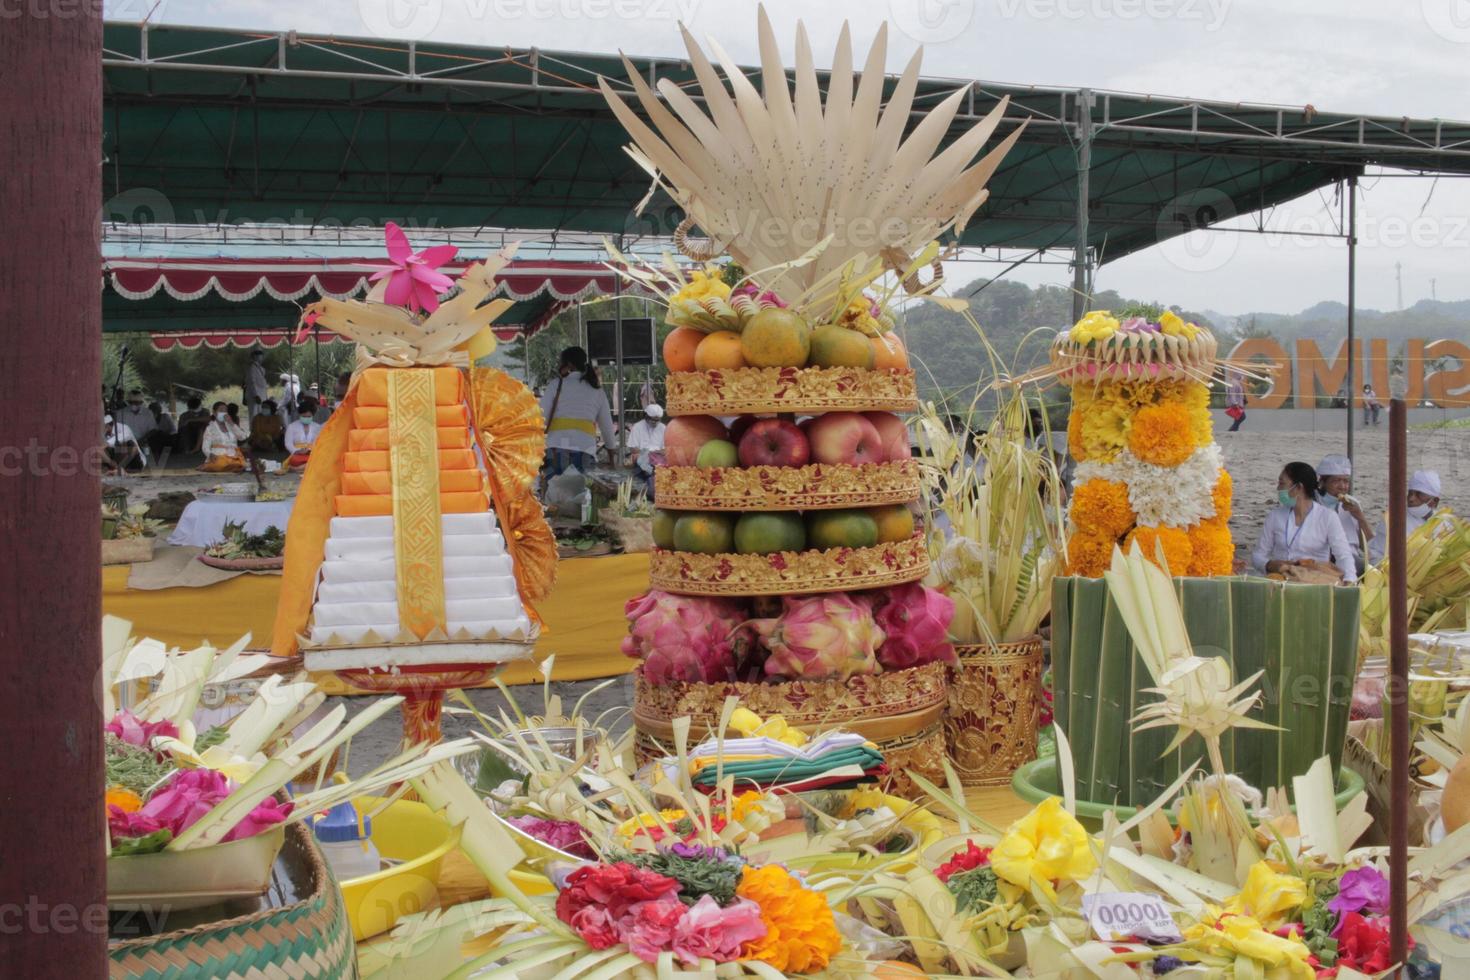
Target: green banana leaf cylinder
[{"x": 1305, "y": 638}]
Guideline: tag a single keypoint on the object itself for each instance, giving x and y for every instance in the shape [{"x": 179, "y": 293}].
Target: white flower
[{"x": 1163, "y": 496}]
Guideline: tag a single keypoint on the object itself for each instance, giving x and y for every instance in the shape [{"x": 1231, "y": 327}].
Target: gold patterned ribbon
[{"x": 413, "y": 461}]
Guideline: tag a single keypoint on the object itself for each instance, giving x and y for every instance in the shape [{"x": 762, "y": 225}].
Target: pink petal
[
  {"x": 398, "y": 248},
  {"x": 400, "y": 289},
  {"x": 438, "y": 255}
]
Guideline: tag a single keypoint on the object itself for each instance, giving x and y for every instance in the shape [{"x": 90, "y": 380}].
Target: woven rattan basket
[{"x": 308, "y": 939}]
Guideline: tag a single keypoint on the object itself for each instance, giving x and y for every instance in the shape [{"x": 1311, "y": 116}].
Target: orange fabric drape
[
  {"x": 380, "y": 482},
  {"x": 376, "y": 460},
  {"x": 375, "y": 417},
  {"x": 368, "y": 440},
  {"x": 372, "y": 387}
]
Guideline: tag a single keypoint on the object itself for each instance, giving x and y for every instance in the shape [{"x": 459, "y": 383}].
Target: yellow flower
[
  {"x": 703, "y": 284},
  {"x": 124, "y": 799},
  {"x": 751, "y": 725},
  {"x": 1240, "y": 935},
  {"x": 1096, "y": 325},
  {"x": 1222, "y": 495},
  {"x": 1099, "y": 425},
  {"x": 1214, "y": 551},
  {"x": 1269, "y": 896},
  {"x": 1101, "y": 506},
  {"x": 1046, "y": 845},
  {"x": 1088, "y": 554},
  {"x": 1178, "y": 551},
  {"x": 1171, "y": 325},
  {"x": 801, "y": 932},
  {"x": 1162, "y": 434}
]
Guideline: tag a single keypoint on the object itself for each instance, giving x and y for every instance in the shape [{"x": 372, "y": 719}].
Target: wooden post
[
  {"x": 1398, "y": 681},
  {"x": 53, "y": 909}
]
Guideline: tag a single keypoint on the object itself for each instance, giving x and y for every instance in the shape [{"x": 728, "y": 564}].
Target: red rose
[
  {"x": 612, "y": 888},
  {"x": 1363, "y": 944}
]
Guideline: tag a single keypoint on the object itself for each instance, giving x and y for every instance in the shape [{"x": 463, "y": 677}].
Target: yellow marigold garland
[
  {"x": 1178, "y": 552},
  {"x": 1101, "y": 506},
  {"x": 1213, "y": 550},
  {"x": 1089, "y": 553},
  {"x": 1222, "y": 495},
  {"x": 1162, "y": 435},
  {"x": 801, "y": 933}
]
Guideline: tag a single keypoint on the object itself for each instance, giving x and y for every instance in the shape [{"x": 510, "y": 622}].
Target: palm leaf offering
[
  {"x": 1438, "y": 577},
  {"x": 771, "y": 175}
]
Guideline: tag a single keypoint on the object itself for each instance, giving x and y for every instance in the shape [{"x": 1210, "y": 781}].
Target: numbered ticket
[{"x": 1117, "y": 916}]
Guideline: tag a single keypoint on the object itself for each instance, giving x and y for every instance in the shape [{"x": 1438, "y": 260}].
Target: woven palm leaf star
[
  {"x": 774, "y": 176},
  {"x": 1198, "y": 693}
]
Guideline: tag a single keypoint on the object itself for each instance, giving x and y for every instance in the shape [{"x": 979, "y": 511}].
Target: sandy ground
[{"x": 1254, "y": 458}]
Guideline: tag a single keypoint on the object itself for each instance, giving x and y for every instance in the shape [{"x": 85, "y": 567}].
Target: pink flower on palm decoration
[
  {"x": 133, "y": 730},
  {"x": 414, "y": 279}
]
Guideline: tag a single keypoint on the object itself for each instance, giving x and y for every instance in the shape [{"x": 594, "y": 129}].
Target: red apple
[
  {"x": 893, "y": 433},
  {"x": 740, "y": 426},
  {"x": 774, "y": 442},
  {"x": 844, "y": 437},
  {"x": 687, "y": 434}
]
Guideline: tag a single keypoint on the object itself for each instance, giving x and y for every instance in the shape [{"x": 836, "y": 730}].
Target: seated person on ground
[
  {"x": 120, "y": 449},
  {"x": 266, "y": 428},
  {"x": 221, "y": 443},
  {"x": 301, "y": 433},
  {"x": 191, "y": 426}
]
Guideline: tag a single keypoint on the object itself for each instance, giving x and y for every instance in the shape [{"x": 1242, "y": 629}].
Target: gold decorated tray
[
  {"x": 799, "y": 391},
  {"x": 759, "y": 488},
  {"x": 789, "y": 572}
]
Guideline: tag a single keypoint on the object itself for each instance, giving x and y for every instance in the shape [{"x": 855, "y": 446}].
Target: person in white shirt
[
  {"x": 646, "y": 445},
  {"x": 137, "y": 416},
  {"x": 256, "y": 391},
  {"x": 1423, "y": 499},
  {"x": 301, "y": 434},
  {"x": 221, "y": 444},
  {"x": 290, "y": 394},
  {"x": 119, "y": 445},
  {"x": 575, "y": 409},
  {"x": 1335, "y": 476},
  {"x": 1301, "y": 529}
]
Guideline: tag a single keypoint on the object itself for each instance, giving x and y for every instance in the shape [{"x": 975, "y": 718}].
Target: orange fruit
[
  {"x": 889, "y": 353},
  {"x": 841, "y": 529},
  {"x": 708, "y": 534},
  {"x": 717, "y": 350},
  {"x": 837, "y": 346},
  {"x": 895, "y": 522},
  {"x": 679, "y": 348},
  {"x": 776, "y": 338}
]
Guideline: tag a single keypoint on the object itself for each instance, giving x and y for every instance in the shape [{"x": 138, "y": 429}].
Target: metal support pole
[
  {"x": 1081, "y": 256},
  {"x": 51, "y": 817},
  {"x": 618, "y": 356},
  {"x": 1352, "y": 292},
  {"x": 1398, "y": 681}
]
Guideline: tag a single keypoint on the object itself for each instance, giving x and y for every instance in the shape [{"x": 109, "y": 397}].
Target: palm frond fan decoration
[
  {"x": 511, "y": 431},
  {"x": 807, "y": 194},
  {"x": 530, "y": 542}
]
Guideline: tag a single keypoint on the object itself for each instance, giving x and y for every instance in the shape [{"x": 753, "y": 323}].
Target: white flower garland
[{"x": 1163, "y": 496}]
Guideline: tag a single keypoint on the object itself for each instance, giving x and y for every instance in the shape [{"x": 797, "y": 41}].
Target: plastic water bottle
[{"x": 347, "y": 847}]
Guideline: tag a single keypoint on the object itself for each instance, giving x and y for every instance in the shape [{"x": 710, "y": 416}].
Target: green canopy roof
[{"x": 208, "y": 126}]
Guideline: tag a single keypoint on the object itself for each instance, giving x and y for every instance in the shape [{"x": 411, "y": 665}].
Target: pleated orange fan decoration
[
  {"x": 530, "y": 542},
  {"x": 511, "y": 431}
]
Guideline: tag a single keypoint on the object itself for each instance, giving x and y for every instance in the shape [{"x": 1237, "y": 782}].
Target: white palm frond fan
[{"x": 789, "y": 182}]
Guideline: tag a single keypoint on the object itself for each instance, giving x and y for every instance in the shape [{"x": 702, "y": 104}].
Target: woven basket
[
  {"x": 307, "y": 940},
  {"x": 634, "y": 533},
  {"x": 994, "y": 703},
  {"x": 790, "y": 572},
  {"x": 126, "y": 551},
  {"x": 900, "y": 711}
]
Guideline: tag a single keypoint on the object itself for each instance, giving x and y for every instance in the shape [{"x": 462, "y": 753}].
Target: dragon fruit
[
  {"x": 915, "y": 623},
  {"x": 821, "y": 636},
  {"x": 684, "y": 638}
]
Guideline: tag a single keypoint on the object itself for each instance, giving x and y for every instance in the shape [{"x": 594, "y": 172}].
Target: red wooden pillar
[{"x": 53, "y": 914}]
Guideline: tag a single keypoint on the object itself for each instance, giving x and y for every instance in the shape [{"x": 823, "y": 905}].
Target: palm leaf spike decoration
[
  {"x": 1198, "y": 694},
  {"x": 771, "y": 176}
]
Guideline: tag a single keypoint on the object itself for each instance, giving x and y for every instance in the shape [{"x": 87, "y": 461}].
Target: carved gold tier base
[
  {"x": 815, "y": 487},
  {"x": 901, "y": 711},
  {"x": 800, "y": 391},
  {"x": 789, "y": 572},
  {"x": 994, "y": 703}
]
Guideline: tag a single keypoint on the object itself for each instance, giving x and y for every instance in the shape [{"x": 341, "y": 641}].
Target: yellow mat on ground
[{"x": 584, "y": 615}]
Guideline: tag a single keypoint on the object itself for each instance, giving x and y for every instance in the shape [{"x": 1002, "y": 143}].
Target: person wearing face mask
[
  {"x": 221, "y": 443},
  {"x": 302, "y": 433},
  {"x": 1301, "y": 529},
  {"x": 1335, "y": 478},
  {"x": 1423, "y": 499}
]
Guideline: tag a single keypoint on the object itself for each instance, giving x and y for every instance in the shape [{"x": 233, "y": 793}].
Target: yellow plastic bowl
[{"x": 418, "y": 838}]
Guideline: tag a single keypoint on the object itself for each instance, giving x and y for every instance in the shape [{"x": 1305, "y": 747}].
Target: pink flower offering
[
  {"x": 129, "y": 728},
  {"x": 186, "y": 797},
  {"x": 414, "y": 279},
  {"x": 1363, "y": 890},
  {"x": 648, "y": 927},
  {"x": 710, "y": 932}
]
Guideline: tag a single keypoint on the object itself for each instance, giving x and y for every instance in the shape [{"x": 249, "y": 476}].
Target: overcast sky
[{"x": 1382, "y": 57}]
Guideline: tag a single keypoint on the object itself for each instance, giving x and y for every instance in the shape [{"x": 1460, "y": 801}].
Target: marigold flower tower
[
  {"x": 416, "y": 547},
  {"x": 787, "y": 562},
  {"x": 1150, "y": 474}
]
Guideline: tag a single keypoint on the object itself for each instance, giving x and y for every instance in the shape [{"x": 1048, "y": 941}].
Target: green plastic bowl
[{"x": 1037, "y": 780}]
